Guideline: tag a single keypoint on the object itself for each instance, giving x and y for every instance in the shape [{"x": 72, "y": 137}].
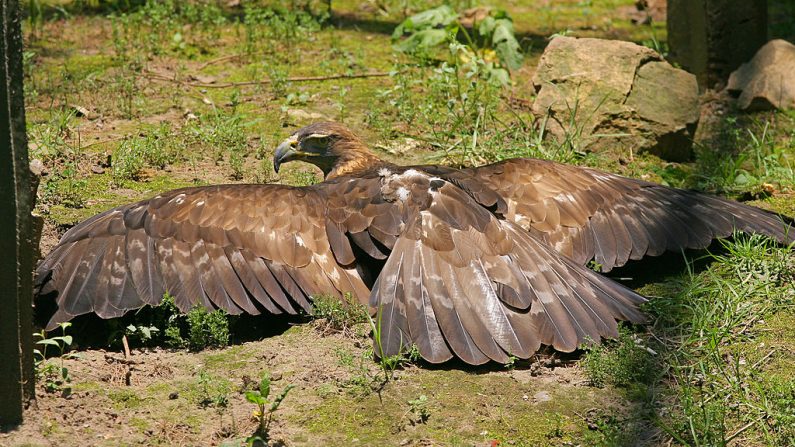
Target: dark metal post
[{"x": 16, "y": 227}]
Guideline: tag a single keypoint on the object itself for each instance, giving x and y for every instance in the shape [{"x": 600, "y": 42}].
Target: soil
[{"x": 157, "y": 397}]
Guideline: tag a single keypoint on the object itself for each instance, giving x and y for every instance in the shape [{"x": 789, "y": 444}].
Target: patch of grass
[
  {"x": 709, "y": 384},
  {"x": 757, "y": 159},
  {"x": 339, "y": 315},
  {"x": 462, "y": 117},
  {"x": 156, "y": 149},
  {"x": 125, "y": 398},
  {"x": 619, "y": 362}
]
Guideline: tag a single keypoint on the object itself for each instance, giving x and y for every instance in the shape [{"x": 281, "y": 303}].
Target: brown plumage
[{"x": 479, "y": 263}]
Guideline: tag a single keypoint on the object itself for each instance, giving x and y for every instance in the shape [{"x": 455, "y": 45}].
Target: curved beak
[{"x": 284, "y": 152}]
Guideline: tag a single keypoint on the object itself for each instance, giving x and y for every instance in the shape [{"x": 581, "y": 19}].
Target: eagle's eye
[{"x": 315, "y": 142}]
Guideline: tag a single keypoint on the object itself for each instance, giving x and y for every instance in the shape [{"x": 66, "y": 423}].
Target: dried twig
[
  {"x": 109, "y": 140},
  {"x": 160, "y": 77},
  {"x": 219, "y": 59},
  {"x": 744, "y": 428}
]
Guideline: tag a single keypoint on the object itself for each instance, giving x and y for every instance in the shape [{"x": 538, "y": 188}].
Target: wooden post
[
  {"x": 711, "y": 38},
  {"x": 16, "y": 227}
]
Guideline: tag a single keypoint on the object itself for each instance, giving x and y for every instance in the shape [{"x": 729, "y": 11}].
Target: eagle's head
[{"x": 330, "y": 146}]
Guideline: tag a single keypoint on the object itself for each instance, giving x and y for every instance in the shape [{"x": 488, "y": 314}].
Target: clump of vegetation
[
  {"x": 419, "y": 410},
  {"x": 53, "y": 377},
  {"x": 142, "y": 333},
  {"x": 223, "y": 135},
  {"x": 488, "y": 49},
  {"x": 212, "y": 391},
  {"x": 620, "y": 362},
  {"x": 207, "y": 329},
  {"x": 166, "y": 325},
  {"x": 199, "y": 329},
  {"x": 265, "y": 25},
  {"x": 265, "y": 407},
  {"x": 157, "y": 27},
  {"x": 753, "y": 159},
  {"x": 65, "y": 187},
  {"x": 455, "y": 105},
  {"x": 156, "y": 149},
  {"x": 338, "y": 315},
  {"x": 709, "y": 373}
]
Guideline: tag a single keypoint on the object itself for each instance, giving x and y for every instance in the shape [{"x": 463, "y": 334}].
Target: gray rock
[
  {"x": 768, "y": 80},
  {"x": 615, "y": 95}
]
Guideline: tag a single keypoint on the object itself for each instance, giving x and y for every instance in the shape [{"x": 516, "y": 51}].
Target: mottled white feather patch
[
  {"x": 411, "y": 173},
  {"x": 403, "y": 193},
  {"x": 180, "y": 199}
]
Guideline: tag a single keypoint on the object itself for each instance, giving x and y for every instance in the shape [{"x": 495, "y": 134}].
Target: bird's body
[{"x": 479, "y": 263}]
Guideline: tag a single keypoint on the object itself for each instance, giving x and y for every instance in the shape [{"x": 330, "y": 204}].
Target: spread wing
[
  {"x": 588, "y": 214},
  {"x": 461, "y": 282},
  {"x": 454, "y": 279},
  {"x": 240, "y": 248}
]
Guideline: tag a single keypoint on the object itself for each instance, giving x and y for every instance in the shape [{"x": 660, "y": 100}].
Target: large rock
[
  {"x": 768, "y": 80},
  {"x": 616, "y": 95}
]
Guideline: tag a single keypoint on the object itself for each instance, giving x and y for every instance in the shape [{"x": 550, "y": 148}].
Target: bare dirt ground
[{"x": 160, "y": 397}]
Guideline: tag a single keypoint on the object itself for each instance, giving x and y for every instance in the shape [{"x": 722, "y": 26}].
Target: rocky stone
[
  {"x": 615, "y": 95},
  {"x": 767, "y": 81}
]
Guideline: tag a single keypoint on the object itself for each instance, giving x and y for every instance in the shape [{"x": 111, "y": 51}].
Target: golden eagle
[{"x": 479, "y": 263}]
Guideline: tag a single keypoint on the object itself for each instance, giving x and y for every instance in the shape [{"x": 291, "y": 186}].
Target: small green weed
[
  {"x": 389, "y": 363},
  {"x": 53, "y": 377},
  {"x": 212, "y": 391},
  {"x": 265, "y": 407},
  {"x": 419, "y": 410}
]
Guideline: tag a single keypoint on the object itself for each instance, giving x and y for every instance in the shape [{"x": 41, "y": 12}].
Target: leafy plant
[
  {"x": 207, "y": 329},
  {"x": 490, "y": 47},
  {"x": 196, "y": 330},
  {"x": 419, "y": 408},
  {"x": 265, "y": 407},
  {"x": 145, "y": 334},
  {"x": 53, "y": 377}
]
